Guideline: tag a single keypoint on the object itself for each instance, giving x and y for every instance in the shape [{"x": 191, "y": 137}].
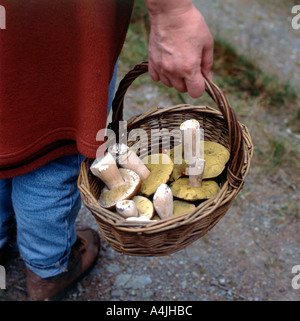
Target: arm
[{"x": 180, "y": 45}]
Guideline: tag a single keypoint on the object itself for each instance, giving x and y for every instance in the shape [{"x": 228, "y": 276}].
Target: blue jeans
[{"x": 45, "y": 203}]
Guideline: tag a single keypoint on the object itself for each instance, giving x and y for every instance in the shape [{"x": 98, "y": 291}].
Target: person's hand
[{"x": 180, "y": 49}]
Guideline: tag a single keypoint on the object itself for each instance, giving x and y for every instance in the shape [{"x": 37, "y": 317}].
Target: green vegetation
[
  {"x": 135, "y": 49},
  {"x": 239, "y": 72}
]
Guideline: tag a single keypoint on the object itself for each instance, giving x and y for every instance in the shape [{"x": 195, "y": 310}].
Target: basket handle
[{"x": 236, "y": 161}]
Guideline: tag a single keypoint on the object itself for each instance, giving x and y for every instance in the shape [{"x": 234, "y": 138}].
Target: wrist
[{"x": 157, "y": 8}]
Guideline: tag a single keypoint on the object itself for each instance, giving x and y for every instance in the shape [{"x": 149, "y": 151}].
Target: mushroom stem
[
  {"x": 163, "y": 201},
  {"x": 127, "y": 208},
  {"x": 191, "y": 137},
  {"x": 107, "y": 170},
  {"x": 196, "y": 180},
  {"x": 127, "y": 158},
  {"x": 190, "y": 130}
]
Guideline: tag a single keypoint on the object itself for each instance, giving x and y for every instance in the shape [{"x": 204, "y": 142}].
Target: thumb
[{"x": 195, "y": 85}]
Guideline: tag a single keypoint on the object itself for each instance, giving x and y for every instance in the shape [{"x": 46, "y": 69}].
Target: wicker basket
[{"x": 172, "y": 234}]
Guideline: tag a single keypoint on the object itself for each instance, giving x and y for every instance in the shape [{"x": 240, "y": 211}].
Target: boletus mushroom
[
  {"x": 180, "y": 165},
  {"x": 159, "y": 173},
  {"x": 179, "y": 207},
  {"x": 191, "y": 137},
  {"x": 107, "y": 170},
  {"x": 120, "y": 184},
  {"x": 215, "y": 155},
  {"x": 182, "y": 189},
  {"x": 163, "y": 201},
  {"x": 182, "y": 207},
  {"x": 144, "y": 206},
  {"x": 127, "y": 208},
  {"x": 127, "y": 158}
]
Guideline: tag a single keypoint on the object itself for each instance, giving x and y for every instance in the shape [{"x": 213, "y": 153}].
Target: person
[{"x": 57, "y": 77}]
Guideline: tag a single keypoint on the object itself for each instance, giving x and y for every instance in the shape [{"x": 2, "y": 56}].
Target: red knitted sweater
[{"x": 56, "y": 61}]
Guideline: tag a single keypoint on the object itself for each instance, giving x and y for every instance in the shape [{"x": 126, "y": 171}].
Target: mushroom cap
[
  {"x": 181, "y": 207},
  {"x": 190, "y": 123},
  {"x": 159, "y": 173},
  {"x": 144, "y": 206},
  {"x": 181, "y": 189},
  {"x": 215, "y": 155},
  {"x": 127, "y": 208},
  {"x": 132, "y": 182},
  {"x": 180, "y": 164},
  {"x": 163, "y": 201}
]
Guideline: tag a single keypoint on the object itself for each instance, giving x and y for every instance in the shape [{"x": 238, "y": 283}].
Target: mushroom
[
  {"x": 215, "y": 155},
  {"x": 120, "y": 184},
  {"x": 180, "y": 164},
  {"x": 131, "y": 185},
  {"x": 181, "y": 207},
  {"x": 196, "y": 180},
  {"x": 163, "y": 201},
  {"x": 144, "y": 206},
  {"x": 159, "y": 173},
  {"x": 127, "y": 208},
  {"x": 107, "y": 170},
  {"x": 190, "y": 130},
  {"x": 127, "y": 158},
  {"x": 183, "y": 190}
]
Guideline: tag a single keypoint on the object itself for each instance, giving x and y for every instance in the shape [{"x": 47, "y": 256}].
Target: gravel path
[
  {"x": 250, "y": 253},
  {"x": 260, "y": 30}
]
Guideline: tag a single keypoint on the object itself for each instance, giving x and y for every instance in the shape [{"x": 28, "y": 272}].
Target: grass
[
  {"x": 281, "y": 3},
  {"x": 135, "y": 48},
  {"x": 242, "y": 74},
  {"x": 265, "y": 103}
]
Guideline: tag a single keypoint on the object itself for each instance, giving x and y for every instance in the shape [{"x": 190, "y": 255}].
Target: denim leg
[
  {"x": 46, "y": 203},
  {"x": 6, "y": 210},
  {"x": 111, "y": 88}
]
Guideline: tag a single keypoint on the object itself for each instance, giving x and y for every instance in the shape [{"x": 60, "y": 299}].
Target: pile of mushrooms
[{"x": 143, "y": 190}]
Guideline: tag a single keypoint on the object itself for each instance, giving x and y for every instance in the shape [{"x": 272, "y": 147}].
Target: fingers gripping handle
[{"x": 235, "y": 133}]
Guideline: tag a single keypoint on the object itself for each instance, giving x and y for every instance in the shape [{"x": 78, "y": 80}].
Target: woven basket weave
[{"x": 172, "y": 234}]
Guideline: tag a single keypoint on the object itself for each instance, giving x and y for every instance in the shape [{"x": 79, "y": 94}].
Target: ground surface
[{"x": 250, "y": 253}]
